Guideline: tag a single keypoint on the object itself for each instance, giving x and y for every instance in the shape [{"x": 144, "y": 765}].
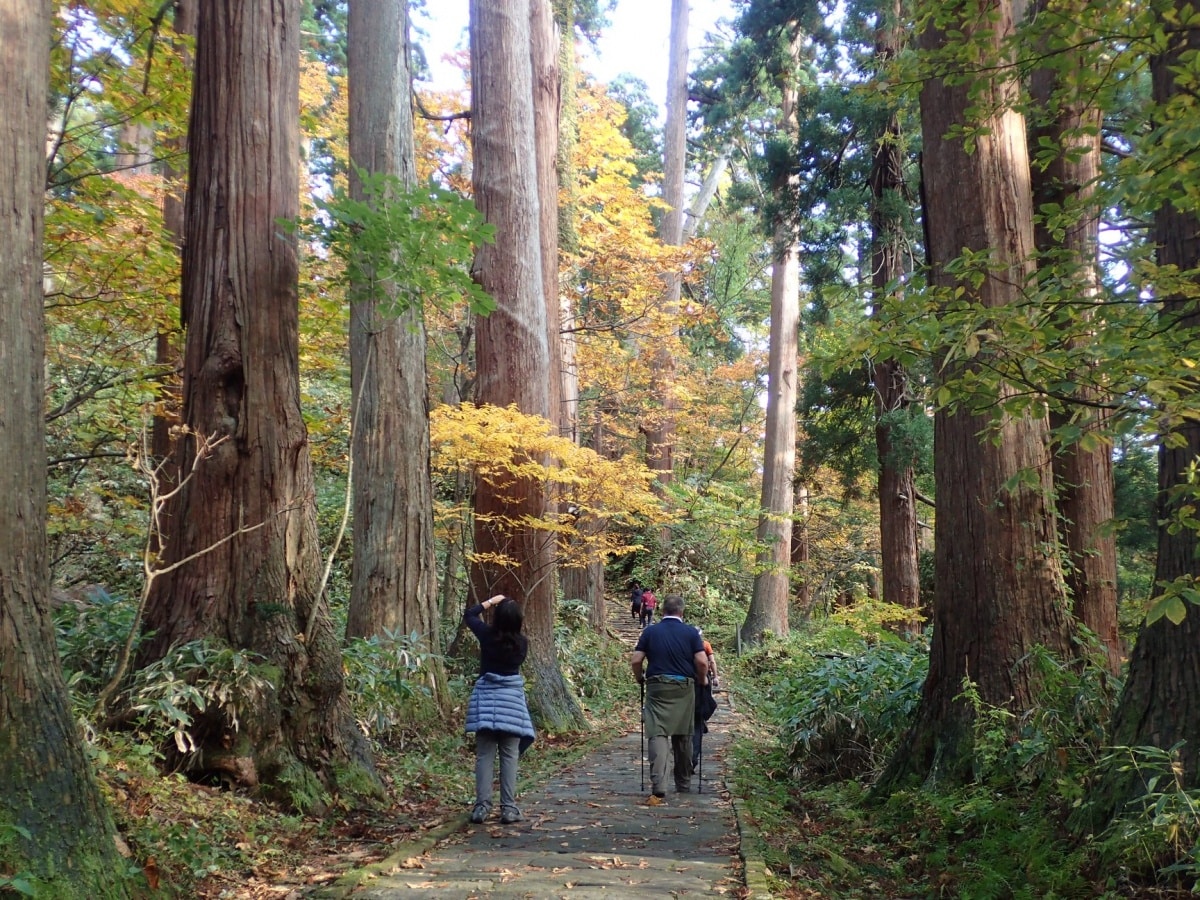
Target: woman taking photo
[{"x": 497, "y": 712}]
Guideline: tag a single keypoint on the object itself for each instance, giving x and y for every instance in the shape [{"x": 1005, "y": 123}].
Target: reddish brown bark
[
  {"x": 512, "y": 352},
  {"x": 898, "y": 537},
  {"x": 1000, "y": 590},
  {"x": 1160, "y": 705},
  {"x": 256, "y": 591},
  {"x": 1083, "y": 475}
]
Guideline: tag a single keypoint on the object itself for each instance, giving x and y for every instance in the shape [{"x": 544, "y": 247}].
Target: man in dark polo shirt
[{"x": 676, "y": 663}]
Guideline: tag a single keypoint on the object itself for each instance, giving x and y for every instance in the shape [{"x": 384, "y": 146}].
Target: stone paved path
[{"x": 588, "y": 833}]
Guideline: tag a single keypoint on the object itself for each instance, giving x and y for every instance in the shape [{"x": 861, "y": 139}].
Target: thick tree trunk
[
  {"x": 1083, "y": 476},
  {"x": 898, "y": 540},
  {"x": 568, "y": 237},
  {"x": 768, "y": 611},
  {"x": 394, "y": 574},
  {"x": 1160, "y": 705},
  {"x": 547, "y": 89},
  {"x": 67, "y": 837},
  {"x": 659, "y": 426},
  {"x": 769, "y": 603},
  {"x": 513, "y": 358},
  {"x": 1000, "y": 589},
  {"x": 248, "y": 514},
  {"x": 167, "y": 357}
]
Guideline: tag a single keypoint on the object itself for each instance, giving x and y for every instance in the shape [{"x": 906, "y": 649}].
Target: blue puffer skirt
[{"x": 498, "y": 704}]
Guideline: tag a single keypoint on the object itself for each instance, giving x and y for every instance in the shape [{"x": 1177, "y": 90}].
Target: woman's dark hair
[{"x": 508, "y": 621}]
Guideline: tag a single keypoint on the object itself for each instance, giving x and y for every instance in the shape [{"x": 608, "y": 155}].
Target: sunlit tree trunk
[
  {"x": 768, "y": 611},
  {"x": 547, "y": 90},
  {"x": 800, "y": 549},
  {"x": 1160, "y": 704},
  {"x": 659, "y": 425},
  {"x": 248, "y": 514},
  {"x": 585, "y": 582},
  {"x": 47, "y": 788},
  {"x": 394, "y": 574},
  {"x": 898, "y": 542},
  {"x": 1083, "y": 474},
  {"x": 568, "y": 238},
  {"x": 1000, "y": 588},
  {"x": 513, "y": 360}
]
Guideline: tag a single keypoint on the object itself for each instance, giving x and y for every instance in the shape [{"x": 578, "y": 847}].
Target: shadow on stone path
[{"x": 588, "y": 833}]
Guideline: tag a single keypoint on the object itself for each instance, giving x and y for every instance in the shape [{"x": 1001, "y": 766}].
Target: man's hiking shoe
[
  {"x": 479, "y": 813},
  {"x": 510, "y": 817},
  {"x": 683, "y": 788}
]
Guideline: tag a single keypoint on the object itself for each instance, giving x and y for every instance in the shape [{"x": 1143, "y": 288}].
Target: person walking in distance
[
  {"x": 669, "y": 659},
  {"x": 706, "y": 703},
  {"x": 635, "y": 601},
  {"x": 497, "y": 712},
  {"x": 649, "y": 604}
]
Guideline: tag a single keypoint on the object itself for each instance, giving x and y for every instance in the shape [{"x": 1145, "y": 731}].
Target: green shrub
[
  {"x": 843, "y": 715},
  {"x": 388, "y": 682},
  {"x": 199, "y": 677},
  {"x": 1158, "y": 835},
  {"x": 90, "y": 635}
]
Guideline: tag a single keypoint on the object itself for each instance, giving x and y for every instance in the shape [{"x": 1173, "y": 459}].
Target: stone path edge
[
  {"x": 754, "y": 871},
  {"x": 351, "y": 881},
  {"x": 754, "y": 867}
]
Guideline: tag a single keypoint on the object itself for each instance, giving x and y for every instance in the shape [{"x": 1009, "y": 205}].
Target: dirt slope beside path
[{"x": 588, "y": 833}]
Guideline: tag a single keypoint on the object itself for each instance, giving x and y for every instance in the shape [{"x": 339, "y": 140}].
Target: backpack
[{"x": 649, "y": 601}]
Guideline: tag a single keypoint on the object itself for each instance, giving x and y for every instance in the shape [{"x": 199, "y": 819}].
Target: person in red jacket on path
[{"x": 649, "y": 603}]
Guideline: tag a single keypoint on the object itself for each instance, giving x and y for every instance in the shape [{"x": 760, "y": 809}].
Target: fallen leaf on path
[
  {"x": 609, "y": 862},
  {"x": 559, "y": 871},
  {"x": 412, "y": 863}
]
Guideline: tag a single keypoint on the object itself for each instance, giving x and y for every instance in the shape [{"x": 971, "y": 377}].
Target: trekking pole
[
  {"x": 700, "y": 765},
  {"x": 642, "y": 735}
]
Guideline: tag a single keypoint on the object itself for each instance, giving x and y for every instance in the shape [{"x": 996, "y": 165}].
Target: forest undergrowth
[
  {"x": 825, "y": 709},
  {"x": 206, "y": 840},
  {"x": 831, "y": 706}
]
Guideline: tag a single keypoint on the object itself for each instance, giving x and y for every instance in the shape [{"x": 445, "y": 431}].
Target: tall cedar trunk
[
  {"x": 544, "y": 57},
  {"x": 513, "y": 359},
  {"x": 769, "y": 603},
  {"x": 48, "y": 789},
  {"x": 1160, "y": 705},
  {"x": 800, "y": 549},
  {"x": 659, "y": 426},
  {"x": 393, "y": 584},
  {"x": 1000, "y": 589},
  {"x": 167, "y": 358},
  {"x": 256, "y": 591},
  {"x": 586, "y": 583},
  {"x": 568, "y": 237},
  {"x": 1083, "y": 476},
  {"x": 898, "y": 540}
]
